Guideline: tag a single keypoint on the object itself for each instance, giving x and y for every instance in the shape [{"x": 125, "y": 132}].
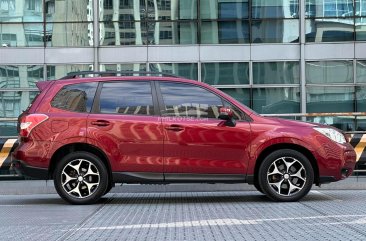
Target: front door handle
[
  {"x": 174, "y": 128},
  {"x": 100, "y": 123}
]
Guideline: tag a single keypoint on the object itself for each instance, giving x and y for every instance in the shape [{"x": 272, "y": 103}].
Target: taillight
[{"x": 28, "y": 122}]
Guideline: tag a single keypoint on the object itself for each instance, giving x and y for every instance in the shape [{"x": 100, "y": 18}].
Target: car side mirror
[{"x": 227, "y": 114}]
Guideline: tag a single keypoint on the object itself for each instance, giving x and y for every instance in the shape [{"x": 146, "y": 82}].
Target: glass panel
[
  {"x": 59, "y": 71},
  {"x": 172, "y": 32},
  {"x": 329, "y": 8},
  {"x": 123, "y": 67},
  {"x": 129, "y": 98},
  {"x": 8, "y": 128},
  {"x": 20, "y": 76},
  {"x": 21, "y": 35},
  {"x": 76, "y": 97},
  {"x": 126, "y": 10},
  {"x": 12, "y": 103},
  {"x": 225, "y": 32},
  {"x": 225, "y": 73},
  {"x": 325, "y": 72},
  {"x": 329, "y": 30},
  {"x": 187, "y": 70},
  {"x": 275, "y": 31},
  {"x": 330, "y": 99},
  {"x": 360, "y": 29},
  {"x": 223, "y": 9},
  {"x": 361, "y": 99},
  {"x": 361, "y": 123},
  {"x": 240, "y": 94},
  {"x": 69, "y": 11},
  {"x": 172, "y": 10},
  {"x": 123, "y": 33},
  {"x": 345, "y": 123},
  {"x": 276, "y": 73},
  {"x": 361, "y": 71},
  {"x": 275, "y": 9},
  {"x": 276, "y": 100},
  {"x": 69, "y": 34},
  {"x": 186, "y": 100},
  {"x": 360, "y": 7},
  {"x": 21, "y": 11}
]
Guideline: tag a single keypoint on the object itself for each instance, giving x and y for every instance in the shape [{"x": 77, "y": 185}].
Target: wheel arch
[
  {"x": 73, "y": 147},
  {"x": 291, "y": 146}
]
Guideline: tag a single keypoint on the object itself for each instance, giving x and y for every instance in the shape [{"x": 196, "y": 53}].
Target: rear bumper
[{"x": 30, "y": 171}]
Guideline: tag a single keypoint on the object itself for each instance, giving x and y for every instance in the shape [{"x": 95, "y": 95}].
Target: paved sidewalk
[
  {"x": 185, "y": 216},
  {"x": 22, "y": 187}
]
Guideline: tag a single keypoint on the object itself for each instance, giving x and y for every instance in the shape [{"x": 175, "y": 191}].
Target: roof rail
[{"x": 72, "y": 75}]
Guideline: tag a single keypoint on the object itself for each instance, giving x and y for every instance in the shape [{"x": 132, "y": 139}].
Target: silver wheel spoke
[
  {"x": 298, "y": 174},
  {"x": 275, "y": 170},
  {"x": 90, "y": 185},
  {"x": 76, "y": 167},
  {"x": 75, "y": 190},
  {"x": 277, "y": 184},
  {"x": 68, "y": 178},
  {"x": 288, "y": 164},
  {"x": 291, "y": 188},
  {"x": 90, "y": 171}
]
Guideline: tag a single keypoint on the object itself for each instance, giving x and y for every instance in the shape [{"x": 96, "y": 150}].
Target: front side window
[
  {"x": 76, "y": 97},
  {"x": 128, "y": 98},
  {"x": 185, "y": 100}
]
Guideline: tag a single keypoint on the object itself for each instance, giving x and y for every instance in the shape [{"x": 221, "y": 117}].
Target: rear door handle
[
  {"x": 174, "y": 128},
  {"x": 100, "y": 123}
]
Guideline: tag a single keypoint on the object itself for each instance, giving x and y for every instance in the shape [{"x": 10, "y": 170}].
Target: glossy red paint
[
  {"x": 155, "y": 144},
  {"x": 132, "y": 143},
  {"x": 204, "y": 146}
]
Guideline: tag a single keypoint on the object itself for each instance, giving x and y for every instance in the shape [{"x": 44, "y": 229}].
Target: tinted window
[
  {"x": 185, "y": 100},
  {"x": 77, "y": 97},
  {"x": 129, "y": 98}
]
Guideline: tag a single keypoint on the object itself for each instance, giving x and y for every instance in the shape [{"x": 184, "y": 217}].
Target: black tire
[
  {"x": 97, "y": 179},
  {"x": 287, "y": 183},
  {"x": 109, "y": 188},
  {"x": 256, "y": 185}
]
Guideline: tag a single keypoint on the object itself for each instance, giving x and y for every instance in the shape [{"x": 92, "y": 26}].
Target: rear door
[{"x": 125, "y": 126}]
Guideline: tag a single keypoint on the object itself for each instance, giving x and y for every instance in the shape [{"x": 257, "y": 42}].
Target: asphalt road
[{"x": 229, "y": 215}]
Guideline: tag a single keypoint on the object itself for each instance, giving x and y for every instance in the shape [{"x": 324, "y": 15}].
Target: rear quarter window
[{"x": 75, "y": 97}]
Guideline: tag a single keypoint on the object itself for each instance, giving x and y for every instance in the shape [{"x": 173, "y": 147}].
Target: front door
[{"x": 194, "y": 140}]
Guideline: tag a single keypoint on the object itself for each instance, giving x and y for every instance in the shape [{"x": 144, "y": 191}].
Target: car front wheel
[
  {"x": 286, "y": 175},
  {"x": 81, "y": 178}
]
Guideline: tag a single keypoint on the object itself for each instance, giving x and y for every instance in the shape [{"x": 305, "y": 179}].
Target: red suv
[{"x": 89, "y": 133}]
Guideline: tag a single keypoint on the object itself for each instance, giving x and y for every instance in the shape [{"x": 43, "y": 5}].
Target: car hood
[{"x": 285, "y": 122}]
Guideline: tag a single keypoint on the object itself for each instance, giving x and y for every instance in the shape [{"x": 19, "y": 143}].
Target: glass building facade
[{"x": 277, "y": 57}]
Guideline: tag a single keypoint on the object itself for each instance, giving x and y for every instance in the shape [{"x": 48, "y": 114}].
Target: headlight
[{"x": 332, "y": 134}]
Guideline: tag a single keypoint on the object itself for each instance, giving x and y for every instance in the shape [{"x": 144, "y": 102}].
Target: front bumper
[{"x": 30, "y": 171}]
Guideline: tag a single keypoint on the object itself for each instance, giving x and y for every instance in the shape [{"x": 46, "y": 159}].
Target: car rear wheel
[
  {"x": 286, "y": 175},
  {"x": 81, "y": 178}
]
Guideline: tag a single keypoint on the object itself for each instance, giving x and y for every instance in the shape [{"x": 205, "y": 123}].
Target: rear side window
[
  {"x": 128, "y": 98},
  {"x": 76, "y": 97}
]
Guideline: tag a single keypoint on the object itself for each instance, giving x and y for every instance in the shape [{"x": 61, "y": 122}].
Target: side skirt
[{"x": 160, "y": 178}]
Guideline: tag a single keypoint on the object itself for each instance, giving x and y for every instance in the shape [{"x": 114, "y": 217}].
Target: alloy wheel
[
  {"x": 80, "y": 178},
  {"x": 286, "y": 176}
]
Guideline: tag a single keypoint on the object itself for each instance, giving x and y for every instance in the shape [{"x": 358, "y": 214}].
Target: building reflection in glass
[{"x": 39, "y": 23}]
